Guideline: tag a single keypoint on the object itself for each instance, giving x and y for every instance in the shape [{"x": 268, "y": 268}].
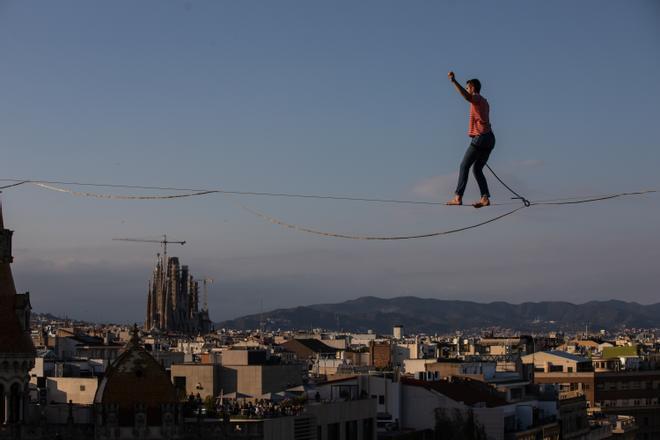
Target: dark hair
[{"x": 476, "y": 84}]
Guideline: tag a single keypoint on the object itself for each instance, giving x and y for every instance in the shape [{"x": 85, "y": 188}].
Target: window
[
  {"x": 333, "y": 431},
  {"x": 381, "y": 400},
  {"x": 180, "y": 383},
  {"x": 82, "y": 387},
  {"x": 367, "y": 429},
  {"x": 351, "y": 430}
]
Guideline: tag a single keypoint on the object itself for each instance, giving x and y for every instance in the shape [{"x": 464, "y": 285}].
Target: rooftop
[
  {"x": 470, "y": 392},
  {"x": 569, "y": 356}
]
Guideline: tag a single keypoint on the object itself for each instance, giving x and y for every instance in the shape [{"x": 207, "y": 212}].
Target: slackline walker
[
  {"x": 481, "y": 145},
  {"x": 192, "y": 192}
]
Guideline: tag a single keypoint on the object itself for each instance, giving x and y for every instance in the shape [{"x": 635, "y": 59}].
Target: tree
[{"x": 457, "y": 425}]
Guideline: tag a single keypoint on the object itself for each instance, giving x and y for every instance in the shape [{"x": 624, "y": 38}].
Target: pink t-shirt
[{"x": 479, "y": 121}]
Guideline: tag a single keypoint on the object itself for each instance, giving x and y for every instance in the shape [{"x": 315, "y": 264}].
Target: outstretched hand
[{"x": 464, "y": 93}]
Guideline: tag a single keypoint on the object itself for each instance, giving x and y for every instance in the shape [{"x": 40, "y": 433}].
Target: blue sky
[{"x": 331, "y": 98}]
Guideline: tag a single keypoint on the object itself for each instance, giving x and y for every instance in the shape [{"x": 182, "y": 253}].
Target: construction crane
[
  {"x": 164, "y": 242},
  {"x": 205, "y": 281}
]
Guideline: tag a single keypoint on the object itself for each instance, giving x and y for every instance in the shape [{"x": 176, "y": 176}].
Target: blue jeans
[{"x": 476, "y": 157}]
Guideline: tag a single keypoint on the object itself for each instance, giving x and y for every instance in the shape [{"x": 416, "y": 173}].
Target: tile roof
[
  {"x": 470, "y": 392},
  {"x": 314, "y": 344},
  {"x": 569, "y": 356}
]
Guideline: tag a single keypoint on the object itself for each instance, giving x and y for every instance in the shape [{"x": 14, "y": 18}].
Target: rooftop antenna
[{"x": 261, "y": 317}]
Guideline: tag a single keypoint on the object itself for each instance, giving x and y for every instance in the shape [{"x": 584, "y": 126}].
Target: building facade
[{"x": 17, "y": 351}]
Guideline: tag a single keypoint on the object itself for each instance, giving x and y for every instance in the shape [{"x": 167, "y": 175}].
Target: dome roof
[{"x": 136, "y": 378}]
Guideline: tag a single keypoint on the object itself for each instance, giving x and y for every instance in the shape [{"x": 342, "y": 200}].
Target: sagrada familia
[{"x": 173, "y": 300}]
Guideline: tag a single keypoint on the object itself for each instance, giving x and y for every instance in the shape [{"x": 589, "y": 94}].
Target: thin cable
[
  {"x": 13, "y": 185},
  {"x": 526, "y": 202},
  {"x": 203, "y": 191},
  {"x": 595, "y": 199},
  {"x": 276, "y": 221},
  {"x": 120, "y": 197},
  {"x": 371, "y": 237}
]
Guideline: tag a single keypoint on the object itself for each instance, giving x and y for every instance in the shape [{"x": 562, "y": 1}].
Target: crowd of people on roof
[
  {"x": 247, "y": 408},
  {"x": 260, "y": 408}
]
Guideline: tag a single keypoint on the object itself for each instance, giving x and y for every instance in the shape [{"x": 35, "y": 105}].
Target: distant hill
[{"x": 425, "y": 315}]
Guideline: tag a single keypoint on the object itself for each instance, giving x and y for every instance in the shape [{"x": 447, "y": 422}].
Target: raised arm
[{"x": 464, "y": 93}]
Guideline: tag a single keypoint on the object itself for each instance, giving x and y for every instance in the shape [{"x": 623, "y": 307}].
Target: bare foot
[
  {"x": 457, "y": 200},
  {"x": 484, "y": 201}
]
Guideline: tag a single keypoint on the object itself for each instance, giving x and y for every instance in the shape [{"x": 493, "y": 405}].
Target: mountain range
[{"x": 426, "y": 315}]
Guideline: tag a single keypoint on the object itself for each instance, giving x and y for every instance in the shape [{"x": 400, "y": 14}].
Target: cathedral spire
[
  {"x": 134, "y": 341},
  {"x": 7, "y": 288}
]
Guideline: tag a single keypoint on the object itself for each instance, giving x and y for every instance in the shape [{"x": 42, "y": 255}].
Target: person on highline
[{"x": 482, "y": 144}]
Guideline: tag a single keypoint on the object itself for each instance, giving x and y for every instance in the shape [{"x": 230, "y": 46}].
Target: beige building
[
  {"x": 77, "y": 390},
  {"x": 255, "y": 380},
  {"x": 202, "y": 379},
  {"x": 246, "y": 372},
  {"x": 557, "y": 362}
]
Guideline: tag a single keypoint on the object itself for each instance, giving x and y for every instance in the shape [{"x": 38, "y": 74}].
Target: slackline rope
[
  {"x": 204, "y": 191},
  {"x": 373, "y": 237},
  {"x": 594, "y": 199},
  {"x": 119, "y": 197},
  {"x": 200, "y": 192},
  {"x": 13, "y": 185},
  {"x": 517, "y": 196}
]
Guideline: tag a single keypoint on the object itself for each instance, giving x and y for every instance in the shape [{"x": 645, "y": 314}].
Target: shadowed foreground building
[
  {"x": 17, "y": 352},
  {"x": 136, "y": 398}
]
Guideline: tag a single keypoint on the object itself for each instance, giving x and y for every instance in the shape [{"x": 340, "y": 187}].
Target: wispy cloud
[
  {"x": 444, "y": 184},
  {"x": 526, "y": 163},
  {"x": 436, "y": 186}
]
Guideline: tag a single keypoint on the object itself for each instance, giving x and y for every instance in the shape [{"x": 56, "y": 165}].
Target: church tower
[
  {"x": 16, "y": 348},
  {"x": 173, "y": 300}
]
